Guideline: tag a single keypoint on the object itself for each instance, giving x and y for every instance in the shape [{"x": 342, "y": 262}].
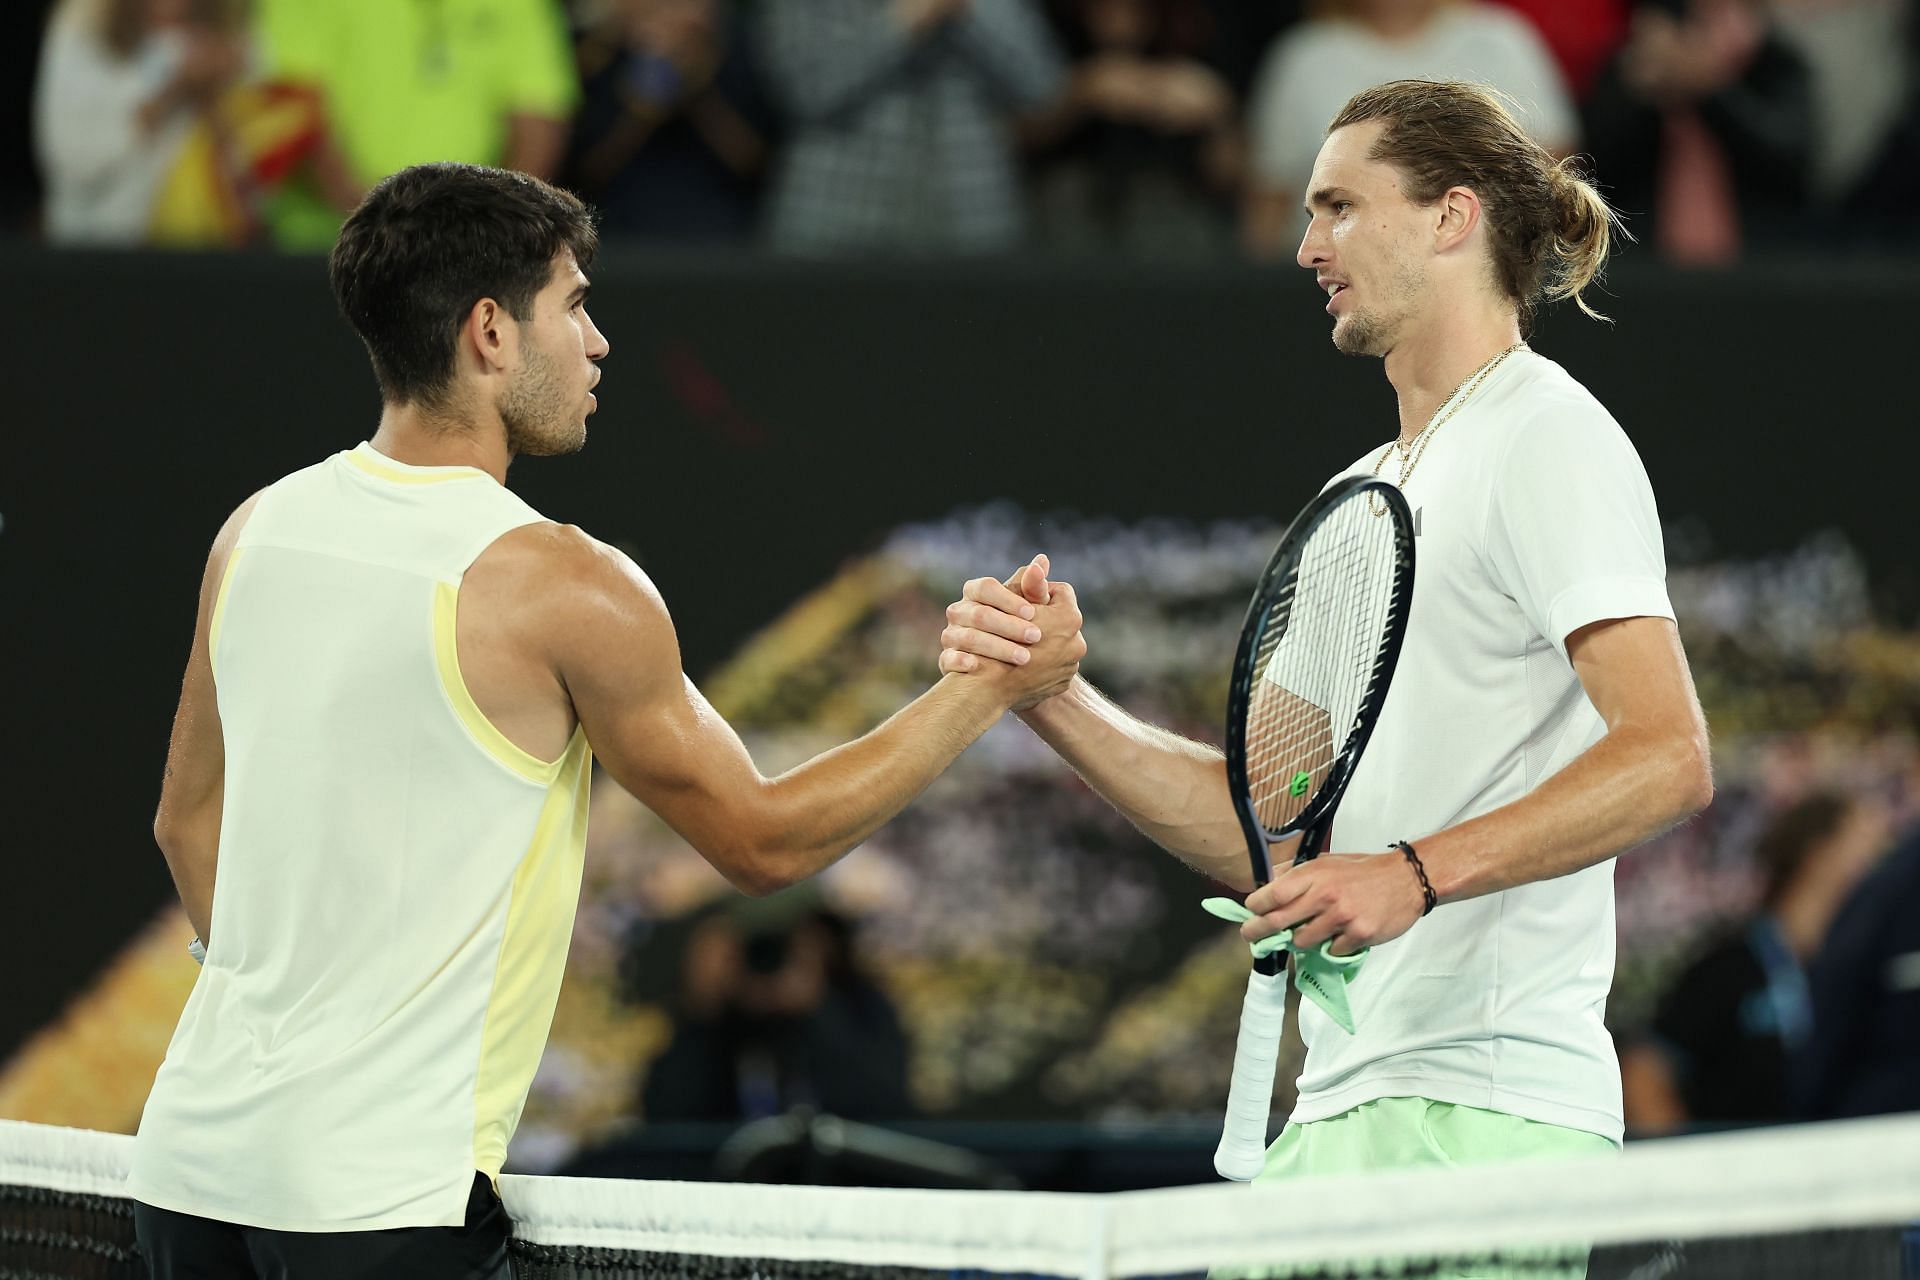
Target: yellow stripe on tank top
[
  {"x": 446, "y": 654},
  {"x": 372, "y": 468},
  {"x": 220, "y": 608},
  {"x": 533, "y": 956}
]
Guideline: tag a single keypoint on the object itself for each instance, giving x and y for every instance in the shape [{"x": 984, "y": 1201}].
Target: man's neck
[
  {"x": 1431, "y": 365},
  {"x": 421, "y": 438}
]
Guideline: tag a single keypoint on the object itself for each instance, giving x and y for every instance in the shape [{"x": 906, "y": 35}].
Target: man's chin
[
  {"x": 554, "y": 446},
  {"x": 1352, "y": 338}
]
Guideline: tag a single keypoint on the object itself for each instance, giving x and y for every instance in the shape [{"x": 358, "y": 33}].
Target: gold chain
[{"x": 1411, "y": 455}]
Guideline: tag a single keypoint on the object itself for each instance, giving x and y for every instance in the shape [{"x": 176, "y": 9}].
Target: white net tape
[{"x": 1848, "y": 1174}]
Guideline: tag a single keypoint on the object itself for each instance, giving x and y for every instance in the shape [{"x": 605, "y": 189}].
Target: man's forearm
[
  {"x": 1172, "y": 788},
  {"x": 1622, "y": 791},
  {"x": 827, "y": 806}
]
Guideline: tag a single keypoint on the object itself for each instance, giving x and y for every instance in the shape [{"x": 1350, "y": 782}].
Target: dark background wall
[{"x": 759, "y": 423}]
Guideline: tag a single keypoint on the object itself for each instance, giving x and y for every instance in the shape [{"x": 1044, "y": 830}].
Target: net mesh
[
  {"x": 1824, "y": 1201},
  {"x": 1318, "y": 656}
]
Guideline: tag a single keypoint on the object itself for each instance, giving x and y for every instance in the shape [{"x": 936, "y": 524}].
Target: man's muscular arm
[
  {"x": 616, "y": 652},
  {"x": 1650, "y": 771}
]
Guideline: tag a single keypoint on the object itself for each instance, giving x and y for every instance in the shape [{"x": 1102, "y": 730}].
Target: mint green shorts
[{"x": 1399, "y": 1133}]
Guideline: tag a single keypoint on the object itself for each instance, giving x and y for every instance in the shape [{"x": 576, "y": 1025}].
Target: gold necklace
[{"x": 1417, "y": 448}]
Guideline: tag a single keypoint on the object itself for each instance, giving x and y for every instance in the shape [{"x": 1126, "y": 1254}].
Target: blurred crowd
[
  {"x": 1807, "y": 1008},
  {"x": 1179, "y": 129}
]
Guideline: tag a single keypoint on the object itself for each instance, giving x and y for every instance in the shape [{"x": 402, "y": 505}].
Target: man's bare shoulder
[
  {"x": 564, "y": 575},
  {"x": 229, "y": 536}
]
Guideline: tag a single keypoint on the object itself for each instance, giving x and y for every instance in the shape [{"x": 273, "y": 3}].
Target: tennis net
[{"x": 1820, "y": 1201}]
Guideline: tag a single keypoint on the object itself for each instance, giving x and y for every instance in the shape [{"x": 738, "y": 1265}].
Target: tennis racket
[{"x": 1316, "y": 656}]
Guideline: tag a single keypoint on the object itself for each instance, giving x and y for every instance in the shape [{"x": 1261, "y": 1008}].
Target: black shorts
[{"x": 179, "y": 1246}]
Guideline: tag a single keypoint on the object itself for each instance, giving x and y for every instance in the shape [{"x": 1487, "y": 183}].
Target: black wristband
[{"x": 1426, "y": 886}]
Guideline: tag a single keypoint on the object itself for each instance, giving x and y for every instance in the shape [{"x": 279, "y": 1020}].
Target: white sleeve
[{"x": 1572, "y": 534}]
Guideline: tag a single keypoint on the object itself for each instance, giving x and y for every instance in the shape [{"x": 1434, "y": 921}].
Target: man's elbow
[
  {"x": 758, "y": 867},
  {"x": 755, "y": 875},
  {"x": 1692, "y": 774}
]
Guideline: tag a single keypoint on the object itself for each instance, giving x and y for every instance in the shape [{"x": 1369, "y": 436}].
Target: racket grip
[{"x": 1242, "y": 1152}]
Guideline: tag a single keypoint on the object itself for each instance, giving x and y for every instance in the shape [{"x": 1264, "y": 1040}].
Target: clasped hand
[{"x": 1027, "y": 625}]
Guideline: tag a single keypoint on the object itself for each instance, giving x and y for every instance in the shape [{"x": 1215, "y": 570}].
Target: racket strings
[{"x": 1318, "y": 659}]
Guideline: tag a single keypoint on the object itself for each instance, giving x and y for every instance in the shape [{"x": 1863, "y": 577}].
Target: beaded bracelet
[{"x": 1426, "y": 886}]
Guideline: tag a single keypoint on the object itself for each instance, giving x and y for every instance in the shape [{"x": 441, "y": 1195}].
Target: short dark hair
[{"x": 427, "y": 244}]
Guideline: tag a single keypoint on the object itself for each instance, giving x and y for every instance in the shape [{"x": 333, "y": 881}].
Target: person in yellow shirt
[{"x": 477, "y": 81}]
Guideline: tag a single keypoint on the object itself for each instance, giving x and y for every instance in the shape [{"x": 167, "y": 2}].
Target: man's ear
[
  {"x": 1455, "y": 218},
  {"x": 490, "y": 335}
]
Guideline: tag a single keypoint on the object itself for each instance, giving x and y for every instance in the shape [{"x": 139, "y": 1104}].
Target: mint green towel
[{"x": 1321, "y": 976}]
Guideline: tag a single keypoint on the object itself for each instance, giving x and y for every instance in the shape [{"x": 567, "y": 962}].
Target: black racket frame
[{"x": 1313, "y": 821}]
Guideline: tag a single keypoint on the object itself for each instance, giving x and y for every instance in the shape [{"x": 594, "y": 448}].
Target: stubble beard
[
  {"x": 1361, "y": 335},
  {"x": 539, "y": 422},
  {"x": 1372, "y": 333}
]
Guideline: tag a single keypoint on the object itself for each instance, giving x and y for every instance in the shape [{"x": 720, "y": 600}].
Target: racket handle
[{"x": 1242, "y": 1152}]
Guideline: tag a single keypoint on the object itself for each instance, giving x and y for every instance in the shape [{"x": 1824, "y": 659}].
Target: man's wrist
[
  {"x": 1041, "y": 714},
  {"x": 991, "y": 695},
  {"x": 1428, "y": 898}
]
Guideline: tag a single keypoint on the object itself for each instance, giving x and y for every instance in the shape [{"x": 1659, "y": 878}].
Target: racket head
[{"x": 1355, "y": 571}]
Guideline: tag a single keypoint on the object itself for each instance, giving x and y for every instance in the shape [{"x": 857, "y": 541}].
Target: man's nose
[{"x": 1312, "y": 248}]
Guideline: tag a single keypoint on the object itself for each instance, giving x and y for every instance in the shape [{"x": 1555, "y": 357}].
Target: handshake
[{"x": 1023, "y": 633}]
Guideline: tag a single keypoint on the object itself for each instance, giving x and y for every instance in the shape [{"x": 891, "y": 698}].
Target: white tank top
[{"x": 396, "y": 883}]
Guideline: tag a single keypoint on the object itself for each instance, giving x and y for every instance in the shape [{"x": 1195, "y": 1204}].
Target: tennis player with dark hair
[
  {"x": 376, "y": 793},
  {"x": 1542, "y": 719}
]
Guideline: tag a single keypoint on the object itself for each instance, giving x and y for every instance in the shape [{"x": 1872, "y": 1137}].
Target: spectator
[
  {"x": 123, "y": 86},
  {"x": 1723, "y": 1033},
  {"x": 900, "y": 116},
  {"x": 1864, "y": 60},
  {"x": 1705, "y": 122},
  {"x": 1313, "y": 69},
  {"x": 1583, "y": 35},
  {"x": 775, "y": 1012},
  {"x": 1863, "y": 1058},
  {"x": 671, "y": 139},
  {"x": 482, "y": 81},
  {"x": 1144, "y": 150}
]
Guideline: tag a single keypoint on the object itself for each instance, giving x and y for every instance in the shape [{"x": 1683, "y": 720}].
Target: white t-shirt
[
  {"x": 1313, "y": 70},
  {"x": 1534, "y": 518}
]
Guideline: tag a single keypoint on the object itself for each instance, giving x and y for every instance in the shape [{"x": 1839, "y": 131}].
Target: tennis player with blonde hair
[{"x": 1542, "y": 719}]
